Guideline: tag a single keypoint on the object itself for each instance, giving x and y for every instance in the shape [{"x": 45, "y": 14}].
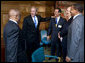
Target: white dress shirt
[
  {"x": 76, "y": 16},
  {"x": 13, "y": 21},
  {"x": 58, "y": 18},
  {"x": 35, "y": 19}
]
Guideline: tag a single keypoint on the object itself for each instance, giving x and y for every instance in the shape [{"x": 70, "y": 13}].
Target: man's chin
[{"x": 32, "y": 15}]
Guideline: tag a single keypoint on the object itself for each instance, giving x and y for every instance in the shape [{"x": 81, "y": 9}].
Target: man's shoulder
[
  {"x": 62, "y": 18},
  {"x": 27, "y": 17},
  {"x": 10, "y": 26},
  {"x": 79, "y": 20},
  {"x": 38, "y": 16},
  {"x": 81, "y": 16}
]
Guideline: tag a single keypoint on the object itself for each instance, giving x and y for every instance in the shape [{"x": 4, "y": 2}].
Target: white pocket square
[{"x": 59, "y": 26}]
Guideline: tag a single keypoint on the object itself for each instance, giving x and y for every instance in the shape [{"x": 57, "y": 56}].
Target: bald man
[{"x": 12, "y": 38}]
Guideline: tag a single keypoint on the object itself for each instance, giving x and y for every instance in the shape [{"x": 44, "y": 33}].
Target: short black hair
[
  {"x": 59, "y": 10},
  {"x": 78, "y": 7}
]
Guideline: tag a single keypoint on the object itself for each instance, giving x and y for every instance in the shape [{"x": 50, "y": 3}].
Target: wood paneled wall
[{"x": 45, "y": 9}]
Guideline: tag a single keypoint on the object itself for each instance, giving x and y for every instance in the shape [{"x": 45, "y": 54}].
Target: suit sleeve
[
  {"x": 77, "y": 28},
  {"x": 44, "y": 19},
  {"x": 49, "y": 29},
  {"x": 12, "y": 41},
  {"x": 24, "y": 28}
]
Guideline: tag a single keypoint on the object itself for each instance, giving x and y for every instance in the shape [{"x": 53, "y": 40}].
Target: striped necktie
[{"x": 35, "y": 22}]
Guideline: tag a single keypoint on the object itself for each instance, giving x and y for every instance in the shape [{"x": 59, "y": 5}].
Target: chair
[
  {"x": 44, "y": 37},
  {"x": 38, "y": 55}
]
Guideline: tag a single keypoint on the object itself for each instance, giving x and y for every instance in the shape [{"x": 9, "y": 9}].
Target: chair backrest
[
  {"x": 38, "y": 55},
  {"x": 43, "y": 33}
]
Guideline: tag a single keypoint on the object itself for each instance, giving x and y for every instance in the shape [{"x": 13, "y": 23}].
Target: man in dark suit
[
  {"x": 12, "y": 38},
  {"x": 31, "y": 31},
  {"x": 62, "y": 35},
  {"x": 56, "y": 25},
  {"x": 75, "y": 42}
]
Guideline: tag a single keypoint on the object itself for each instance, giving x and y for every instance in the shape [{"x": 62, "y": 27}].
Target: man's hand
[
  {"x": 48, "y": 37},
  {"x": 68, "y": 59},
  {"x": 52, "y": 16},
  {"x": 59, "y": 35}
]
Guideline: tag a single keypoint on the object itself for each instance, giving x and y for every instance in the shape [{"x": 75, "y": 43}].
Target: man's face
[
  {"x": 56, "y": 12},
  {"x": 73, "y": 11},
  {"x": 68, "y": 11},
  {"x": 18, "y": 17},
  {"x": 33, "y": 12}
]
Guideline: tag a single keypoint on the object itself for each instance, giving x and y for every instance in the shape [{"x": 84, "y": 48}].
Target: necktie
[{"x": 35, "y": 22}]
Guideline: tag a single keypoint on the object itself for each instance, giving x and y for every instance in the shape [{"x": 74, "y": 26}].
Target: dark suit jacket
[
  {"x": 13, "y": 44},
  {"x": 64, "y": 32},
  {"x": 30, "y": 33},
  {"x": 53, "y": 31}
]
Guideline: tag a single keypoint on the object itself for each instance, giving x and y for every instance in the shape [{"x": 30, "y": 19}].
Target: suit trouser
[
  {"x": 64, "y": 51},
  {"x": 31, "y": 49},
  {"x": 22, "y": 57},
  {"x": 55, "y": 46},
  {"x": 64, "y": 47}
]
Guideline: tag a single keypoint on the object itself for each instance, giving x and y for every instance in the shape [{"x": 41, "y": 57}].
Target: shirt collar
[
  {"x": 76, "y": 15},
  {"x": 58, "y": 18},
  {"x": 13, "y": 21}
]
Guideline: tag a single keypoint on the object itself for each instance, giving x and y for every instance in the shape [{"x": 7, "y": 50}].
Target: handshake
[
  {"x": 48, "y": 37},
  {"x": 53, "y": 16}
]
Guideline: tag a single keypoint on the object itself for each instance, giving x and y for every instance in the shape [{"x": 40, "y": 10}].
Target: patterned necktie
[{"x": 35, "y": 22}]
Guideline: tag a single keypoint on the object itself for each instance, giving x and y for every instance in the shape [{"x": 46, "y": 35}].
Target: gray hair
[
  {"x": 34, "y": 8},
  {"x": 13, "y": 12}
]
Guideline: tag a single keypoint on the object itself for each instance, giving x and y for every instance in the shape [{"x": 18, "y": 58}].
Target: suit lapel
[
  {"x": 32, "y": 22},
  {"x": 77, "y": 17},
  {"x": 59, "y": 21},
  {"x": 38, "y": 20}
]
